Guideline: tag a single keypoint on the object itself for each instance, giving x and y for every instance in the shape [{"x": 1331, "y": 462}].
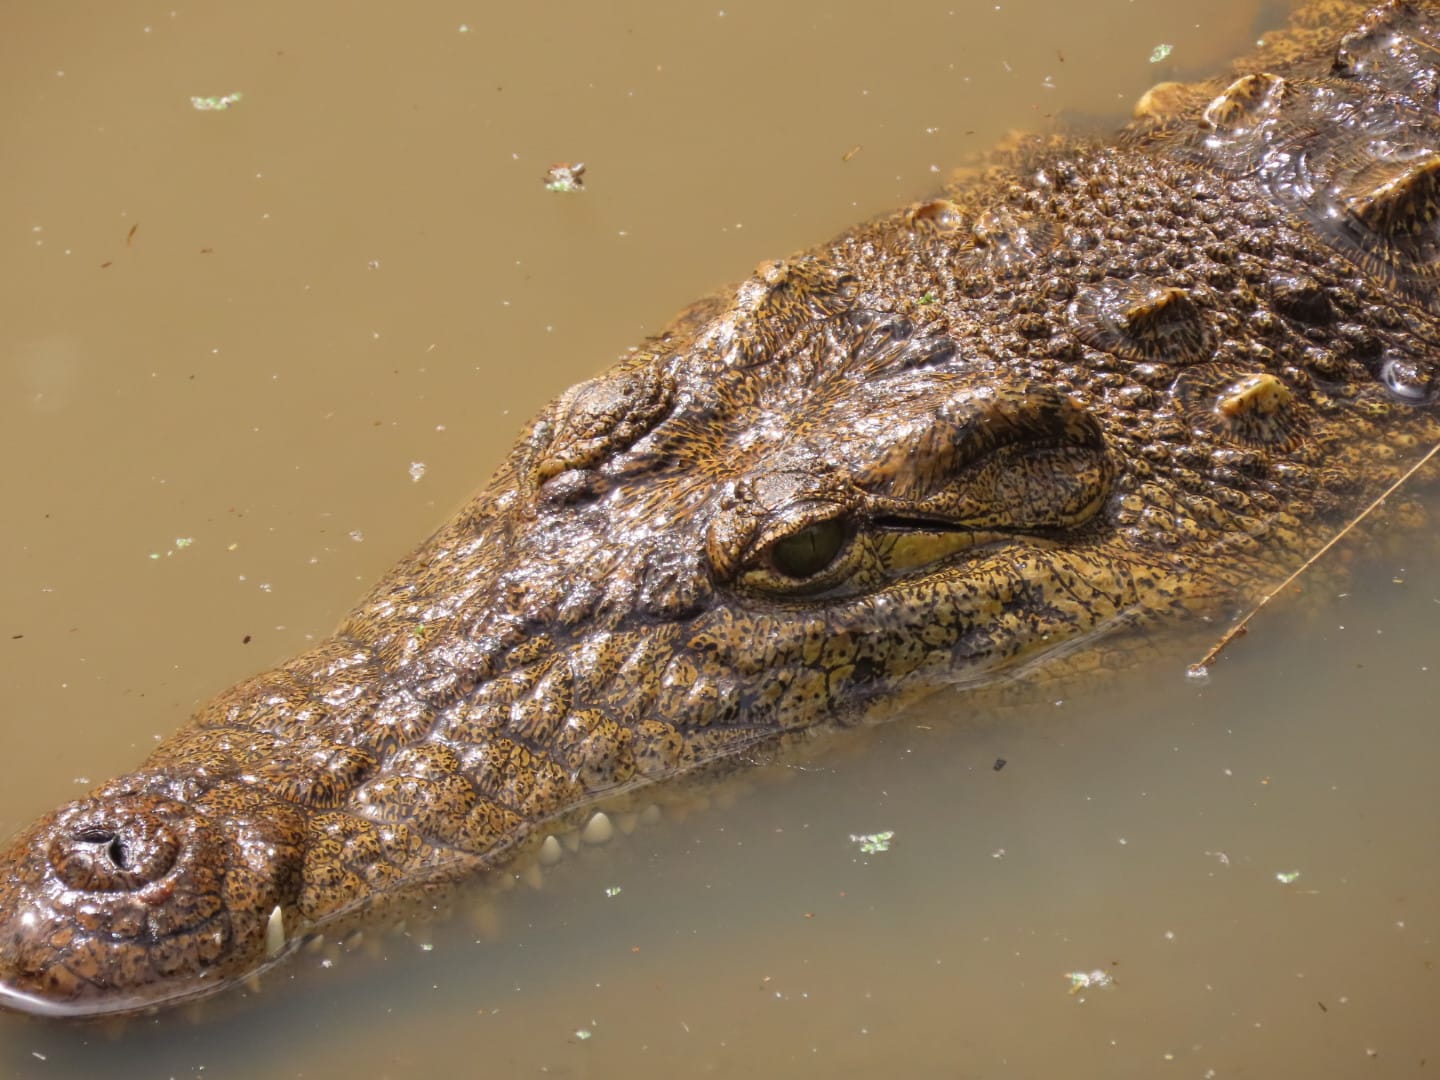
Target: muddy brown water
[{"x": 251, "y": 356}]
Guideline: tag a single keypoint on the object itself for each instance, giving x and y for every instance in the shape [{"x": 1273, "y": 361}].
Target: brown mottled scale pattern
[{"x": 1090, "y": 385}]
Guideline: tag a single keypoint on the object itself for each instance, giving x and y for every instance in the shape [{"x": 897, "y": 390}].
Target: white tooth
[
  {"x": 598, "y": 829},
  {"x": 551, "y": 852},
  {"x": 650, "y": 815},
  {"x": 275, "y": 932},
  {"x": 315, "y": 944},
  {"x": 628, "y": 822},
  {"x": 533, "y": 876},
  {"x": 571, "y": 840}
]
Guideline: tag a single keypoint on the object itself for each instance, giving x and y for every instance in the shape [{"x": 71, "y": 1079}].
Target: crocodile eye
[
  {"x": 807, "y": 560},
  {"x": 810, "y": 551}
]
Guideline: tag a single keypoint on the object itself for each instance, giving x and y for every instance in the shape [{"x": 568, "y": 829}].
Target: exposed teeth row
[{"x": 599, "y": 829}]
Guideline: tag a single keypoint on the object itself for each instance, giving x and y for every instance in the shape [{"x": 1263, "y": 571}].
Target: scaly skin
[{"x": 1093, "y": 386}]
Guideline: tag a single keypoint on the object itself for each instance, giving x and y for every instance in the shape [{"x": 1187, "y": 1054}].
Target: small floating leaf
[
  {"x": 215, "y": 104},
  {"x": 565, "y": 177},
  {"x": 873, "y": 843},
  {"x": 1089, "y": 980}
]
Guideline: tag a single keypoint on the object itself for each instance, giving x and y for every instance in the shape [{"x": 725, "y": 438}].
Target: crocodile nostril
[
  {"x": 110, "y": 842},
  {"x": 122, "y": 852},
  {"x": 118, "y": 853}
]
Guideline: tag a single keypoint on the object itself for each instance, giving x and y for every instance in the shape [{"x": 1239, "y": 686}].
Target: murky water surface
[{"x": 250, "y": 356}]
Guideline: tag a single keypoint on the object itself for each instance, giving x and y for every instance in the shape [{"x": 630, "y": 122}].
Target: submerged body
[{"x": 1096, "y": 385}]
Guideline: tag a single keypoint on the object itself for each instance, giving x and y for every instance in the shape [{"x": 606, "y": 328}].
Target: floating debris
[
  {"x": 215, "y": 104},
  {"x": 873, "y": 843},
  {"x": 1160, "y": 52},
  {"x": 1090, "y": 980},
  {"x": 181, "y": 543},
  {"x": 417, "y": 470},
  {"x": 613, "y": 891},
  {"x": 1287, "y": 877},
  {"x": 583, "y": 1033},
  {"x": 564, "y": 177}
]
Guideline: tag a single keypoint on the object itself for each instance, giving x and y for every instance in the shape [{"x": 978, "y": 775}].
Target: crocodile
[{"x": 1094, "y": 386}]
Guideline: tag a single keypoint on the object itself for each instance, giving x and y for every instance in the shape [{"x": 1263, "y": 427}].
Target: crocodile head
[
  {"x": 1112, "y": 387},
  {"x": 684, "y": 557}
]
